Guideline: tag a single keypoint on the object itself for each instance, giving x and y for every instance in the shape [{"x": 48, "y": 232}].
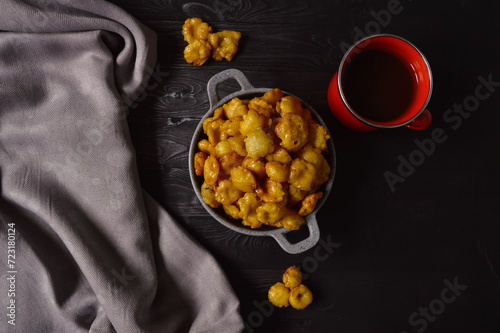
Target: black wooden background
[{"x": 387, "y": 257}]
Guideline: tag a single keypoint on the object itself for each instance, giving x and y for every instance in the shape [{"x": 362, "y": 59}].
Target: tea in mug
[{"x": 378, "y": 85}]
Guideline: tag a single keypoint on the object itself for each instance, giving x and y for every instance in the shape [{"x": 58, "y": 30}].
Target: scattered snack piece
[
  {"x": 197, "y": 52},
  {"x": 292, "y": 277},
  {"x": 262, "y": 166},
  {"x": 279, "y": 295},
  {"x": 291, "y": 291},
  {"x": 195, "y": 29},
  {"x": 300, "y": 297},
  {"x": 202, "y": 42},
  {"x": 224, "y": 44}
]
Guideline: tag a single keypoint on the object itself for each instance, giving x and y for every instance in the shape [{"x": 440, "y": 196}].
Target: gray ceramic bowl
[{"x": 248, "y": 91}]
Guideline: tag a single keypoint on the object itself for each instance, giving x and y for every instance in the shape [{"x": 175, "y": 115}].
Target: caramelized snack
[
  {"x": 260, "y": 166},
  {"x": 259, "y": 143},
  {"x": 277, "y": 171},
  {"x": 300, "y": 297},
  {"x": 273, "y": 96},
  {"x": 289, "y": 104},
  {"x": 208, "y": 195},
  {"x": 270, "y": 213},
  {"x": 195, "y": 29},
  {"x": 211, "y": 170},
  {"x": 309, "y": 203},
  {"x": 248, "y": 205},
  {"x": 202, "y": 42},
  {"x": 199, "y": 162},
  {"x": 293, "y": 131},
  {"x": 314, "y": 156},
  {"x": 224, "y": 44},
  {"x": 291, "y": 291},
  {"x": 292, "y": 277},
  {"x": 206, "y": 147},
  {"x": 226, "y": 193},
  {"x": 197, "y": 52},
  {"x": 234, "y": 108},
  {"x": 291, "y": 220},
  {"x": 302, "y": 174},
  {"x": 272, "y": 191},
  {"x": 279, "y": 295},
  {"x": 243, "y": 179}
]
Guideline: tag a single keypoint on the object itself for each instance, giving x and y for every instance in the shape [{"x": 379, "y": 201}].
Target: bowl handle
[
  {"x": 218, "y": 78},
  {"x": 305, "y": 244}
]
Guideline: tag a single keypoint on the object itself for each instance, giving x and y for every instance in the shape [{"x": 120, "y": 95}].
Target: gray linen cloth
[{"x": 82, "y": 247}]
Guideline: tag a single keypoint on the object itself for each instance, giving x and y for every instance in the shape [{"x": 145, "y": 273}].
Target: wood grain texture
[{"x": 394, "y": 249}]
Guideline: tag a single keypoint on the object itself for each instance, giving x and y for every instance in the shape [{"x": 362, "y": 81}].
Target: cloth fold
[{"x": 92, "y": 251}]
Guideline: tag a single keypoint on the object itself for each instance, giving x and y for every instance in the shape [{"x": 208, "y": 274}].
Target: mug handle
[
  {"x": 303, "y": 245},
  {"x": 421, "y": 122}
]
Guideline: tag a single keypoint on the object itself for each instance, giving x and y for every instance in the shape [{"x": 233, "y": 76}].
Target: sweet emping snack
[
  {"x": 202, "y": 42},
  {"x": 291, "y": 291},
  {"x": 263, "y": 160}
]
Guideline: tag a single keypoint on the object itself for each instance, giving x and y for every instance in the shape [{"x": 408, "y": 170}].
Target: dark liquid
[{"x": 378, "y": 85}]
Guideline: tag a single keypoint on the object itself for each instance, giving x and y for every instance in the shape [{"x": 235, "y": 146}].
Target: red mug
[{"x": 383, "y": 81}]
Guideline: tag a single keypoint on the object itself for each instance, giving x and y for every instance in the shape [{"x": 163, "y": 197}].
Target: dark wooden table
[{"x": 420, "y": 256}]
